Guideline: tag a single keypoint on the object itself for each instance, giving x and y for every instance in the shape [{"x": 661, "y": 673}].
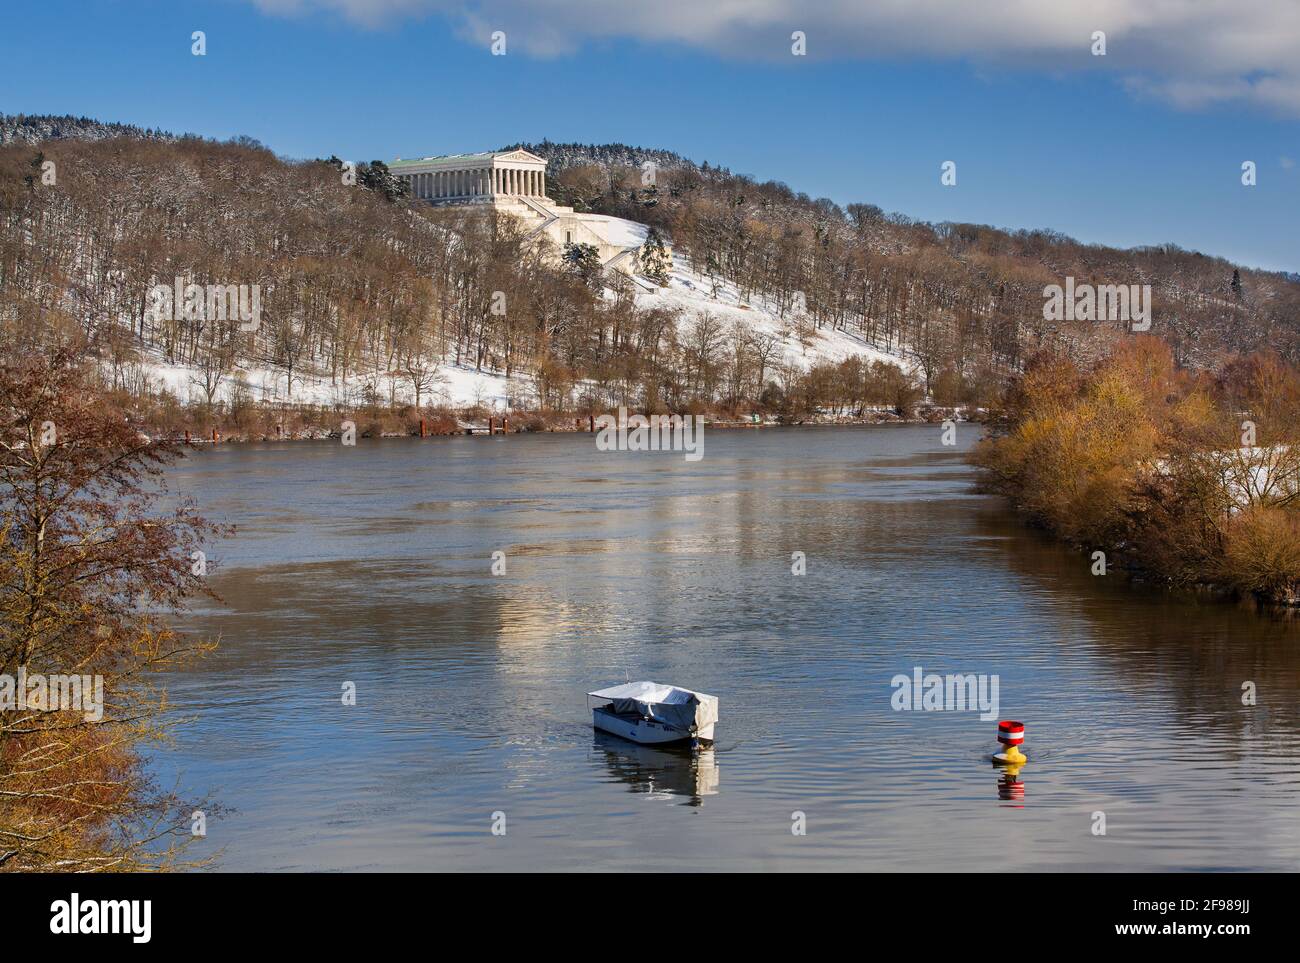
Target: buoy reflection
[{"x": 1010, "y": 788}]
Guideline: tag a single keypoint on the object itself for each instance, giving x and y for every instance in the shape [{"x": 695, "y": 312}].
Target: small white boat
[{"x": 654, "y": 714}]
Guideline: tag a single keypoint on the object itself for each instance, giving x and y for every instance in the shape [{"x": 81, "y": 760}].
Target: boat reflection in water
[{"x": 662, "y": 772}]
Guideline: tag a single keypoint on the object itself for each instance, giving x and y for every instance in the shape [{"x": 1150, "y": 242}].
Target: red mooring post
[
  {"x": 505, "y": 425},
  {"x": 591, "y": 423},
  {"x": 491, "y": 429},
  {"x": 421, "y": 427},
  {"x": 215, "y": 437},
  {"x": 187, "y": 436}
]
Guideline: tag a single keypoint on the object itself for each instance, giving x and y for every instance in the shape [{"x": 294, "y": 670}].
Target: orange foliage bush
[{"x": 1190, "y": 476}]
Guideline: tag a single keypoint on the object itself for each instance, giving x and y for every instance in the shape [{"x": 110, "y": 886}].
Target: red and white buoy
[{"x": 1011, "y": 734}]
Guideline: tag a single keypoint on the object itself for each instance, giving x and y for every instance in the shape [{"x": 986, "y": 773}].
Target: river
[{"x": 372, "y": 566}]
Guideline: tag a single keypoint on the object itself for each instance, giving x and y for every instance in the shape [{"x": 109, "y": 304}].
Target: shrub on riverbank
[
  {"x": 90, "y": 560},
  {"x": 1191, "y": 477}
]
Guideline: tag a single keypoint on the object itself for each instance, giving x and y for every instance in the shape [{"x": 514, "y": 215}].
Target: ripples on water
[{"x": 371, "y": 565}]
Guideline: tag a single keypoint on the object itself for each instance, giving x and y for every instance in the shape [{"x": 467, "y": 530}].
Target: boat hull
[{"x": 646, "y": 732}]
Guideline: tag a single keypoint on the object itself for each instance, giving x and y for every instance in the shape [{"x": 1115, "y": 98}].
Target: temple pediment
[{"x": 520, "y": 155}]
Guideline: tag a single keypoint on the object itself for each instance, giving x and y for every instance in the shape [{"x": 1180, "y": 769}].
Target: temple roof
[{"x": 457, "y": 160}]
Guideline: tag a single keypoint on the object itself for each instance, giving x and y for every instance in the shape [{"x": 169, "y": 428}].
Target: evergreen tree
[
  {"x": 377, "y": 177},
  {"x": 584, "y": 261},
  {"x": 655, "y": 263}
]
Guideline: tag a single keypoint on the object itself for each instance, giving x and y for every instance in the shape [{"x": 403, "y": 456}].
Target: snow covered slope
[
  {"x": 693, "y": 294},
  {"x": 687, "y": 292}
]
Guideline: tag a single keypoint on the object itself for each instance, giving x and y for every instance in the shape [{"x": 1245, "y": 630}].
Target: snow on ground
[
  {"x": 694, "y": 295},
  {"x": 617, "y": 230},
  {"x": 460, "y": 387}
]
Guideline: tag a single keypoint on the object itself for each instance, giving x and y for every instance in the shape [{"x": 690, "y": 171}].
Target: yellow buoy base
[{"x": 1011, "y": 756}]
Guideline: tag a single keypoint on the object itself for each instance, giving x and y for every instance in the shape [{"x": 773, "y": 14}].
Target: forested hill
[
  {"x": 35, "y": 128},
  {"x": 960, "y": 294},
  {"x": 362, "y": 281}
]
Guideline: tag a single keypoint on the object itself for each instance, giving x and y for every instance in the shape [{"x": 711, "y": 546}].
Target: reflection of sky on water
[{"x": 372, "y": 565}]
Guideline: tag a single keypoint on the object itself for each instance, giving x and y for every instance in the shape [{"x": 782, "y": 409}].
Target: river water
[{"x": 372, "y": 565}]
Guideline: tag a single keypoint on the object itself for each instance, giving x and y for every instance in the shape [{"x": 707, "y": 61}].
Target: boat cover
[{"x": 680, "y": 708}]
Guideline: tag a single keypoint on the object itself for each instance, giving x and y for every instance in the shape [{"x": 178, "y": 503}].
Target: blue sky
[{"x": 1042, "y": 137}]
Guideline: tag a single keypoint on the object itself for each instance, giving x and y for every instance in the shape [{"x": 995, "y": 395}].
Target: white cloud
[{"x": 1192, "y": 53}]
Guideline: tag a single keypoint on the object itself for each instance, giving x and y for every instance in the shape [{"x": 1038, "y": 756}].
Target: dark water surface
[{"x": 372, "y": 565}]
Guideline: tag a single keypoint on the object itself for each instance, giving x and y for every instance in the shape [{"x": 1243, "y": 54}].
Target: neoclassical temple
[
  {"x": 460, "y": 178},
  {"x": 514, "y": 182}
]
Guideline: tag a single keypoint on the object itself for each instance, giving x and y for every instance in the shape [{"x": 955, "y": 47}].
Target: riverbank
[
  {"x": 1186, "y": 478},
  {"x": 307, "y": 423}
]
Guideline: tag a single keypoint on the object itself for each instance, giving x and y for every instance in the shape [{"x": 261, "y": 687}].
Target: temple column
[{"x": 541, "y": 177}]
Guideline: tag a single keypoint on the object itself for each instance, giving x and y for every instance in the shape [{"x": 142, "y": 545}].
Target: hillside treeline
[
  {"x": 357, "y": 282},
  {"x": 351, "y": 282},
  {"x": 964, "y": 298}
]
